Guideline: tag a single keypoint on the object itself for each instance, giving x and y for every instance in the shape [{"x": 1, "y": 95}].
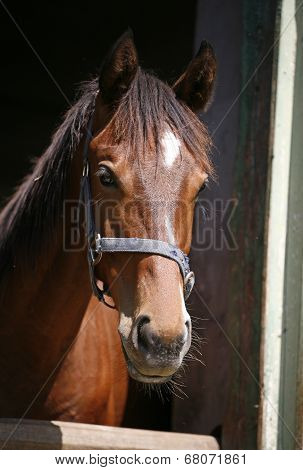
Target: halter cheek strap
[{"x": 97, "y": 245}]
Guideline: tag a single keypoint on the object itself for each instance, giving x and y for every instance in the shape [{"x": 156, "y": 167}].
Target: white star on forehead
[{"x": 171, "y": 148}]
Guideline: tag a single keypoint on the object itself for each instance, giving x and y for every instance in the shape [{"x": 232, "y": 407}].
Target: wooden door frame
[{"x": 280, "y": 425}]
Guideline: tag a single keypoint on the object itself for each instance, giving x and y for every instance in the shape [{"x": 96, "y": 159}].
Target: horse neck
[{"x": 42, "y": 306}]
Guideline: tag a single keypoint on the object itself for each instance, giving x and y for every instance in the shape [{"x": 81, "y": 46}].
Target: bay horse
[{"x": 63, "y": 354}]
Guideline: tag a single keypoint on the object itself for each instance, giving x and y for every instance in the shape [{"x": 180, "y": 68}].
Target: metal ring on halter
[
  {"x": 94, "y": 249},
  {"x": 189, "y": 283}
]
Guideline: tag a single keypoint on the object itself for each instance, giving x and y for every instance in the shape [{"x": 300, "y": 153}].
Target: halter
[{"x": 97, "y": 245}]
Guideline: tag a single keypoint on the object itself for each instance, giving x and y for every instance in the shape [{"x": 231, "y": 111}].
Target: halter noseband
[{"x": 97, "y": 245}]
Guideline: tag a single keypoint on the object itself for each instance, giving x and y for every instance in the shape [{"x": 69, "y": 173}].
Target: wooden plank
[
  {"x": 290, "y": 432},
  {"x": 244, "y": 305},
  {"x": 32, "y": 434},
  {"x": 282, "y": 309}
]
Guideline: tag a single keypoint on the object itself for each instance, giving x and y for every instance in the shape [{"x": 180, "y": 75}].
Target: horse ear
[
  {"x": 195, "y": 86},
  {"x": 118, "y": 69}
]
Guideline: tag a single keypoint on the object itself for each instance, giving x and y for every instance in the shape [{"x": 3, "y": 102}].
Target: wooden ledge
[{"x": 32, "y": 434}]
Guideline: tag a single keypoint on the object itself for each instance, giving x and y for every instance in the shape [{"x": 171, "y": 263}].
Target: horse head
[{"x": 149, "y": 159}]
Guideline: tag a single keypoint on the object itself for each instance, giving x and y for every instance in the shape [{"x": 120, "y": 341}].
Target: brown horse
[{"x": 64, "y": 355}]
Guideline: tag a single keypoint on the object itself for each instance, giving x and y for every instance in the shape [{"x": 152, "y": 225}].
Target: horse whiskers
[
  {"x": 173, "y": 387},
  {"x": 195, "y": 359},
  {"x": 196, "y": 335},
  {"x": 146, "y": 388},
  {"x": 198, "y": 318},
  {"x": 179, "y": 386},
  {"x": 184, "y": 366},
  {"x": 195, "y": 353},
  {"x": 155, "y": 388},
  {"x": 200, "y": 327},
  {"x": 165, "y": 390},
  {"x": 171, "y": 391},
  {"x": 196, "y": 350},
  {"x": 198, "y": 343}
]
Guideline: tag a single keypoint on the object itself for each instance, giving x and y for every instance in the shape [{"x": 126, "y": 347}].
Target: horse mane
[
  {"x": 32, "y": 212},
  {"x": 148, "y": 110},
  {"x": 31, "y": 215}
]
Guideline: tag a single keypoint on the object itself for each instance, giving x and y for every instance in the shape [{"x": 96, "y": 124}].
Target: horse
[{"x": 138, "y": 150}]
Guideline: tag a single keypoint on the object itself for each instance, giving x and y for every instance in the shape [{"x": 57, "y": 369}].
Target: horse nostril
[
  {"x": 149, "y": 342},
  {"x": 142, "y": 340},
  {"x": 184, "y": 338}
]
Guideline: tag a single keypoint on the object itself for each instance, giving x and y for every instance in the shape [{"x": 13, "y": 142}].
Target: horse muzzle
[{"x": 152, "y": 358}]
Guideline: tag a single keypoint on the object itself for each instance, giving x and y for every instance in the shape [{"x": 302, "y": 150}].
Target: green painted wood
[
  {"x": 249, "y": 224},
  {"x": 291, "y": 389}
]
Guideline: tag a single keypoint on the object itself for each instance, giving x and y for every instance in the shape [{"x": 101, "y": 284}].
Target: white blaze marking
[
  {"x": 170, "y": 230},
  {"x": 171, "y": 148}
]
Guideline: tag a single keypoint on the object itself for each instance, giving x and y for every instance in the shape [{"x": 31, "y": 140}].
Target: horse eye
[
  {"x": 106, "y": 177},
  {"x": 204, "y": 185}
]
